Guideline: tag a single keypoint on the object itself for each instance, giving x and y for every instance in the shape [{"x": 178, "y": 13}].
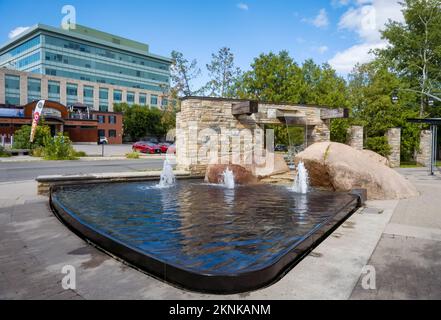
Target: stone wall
[
  {"x": 203, "y": 121},
  {"x": 394, "y": 139},
  {"x": 355, "y": 139},
  {"x": 424, "y": 154}
]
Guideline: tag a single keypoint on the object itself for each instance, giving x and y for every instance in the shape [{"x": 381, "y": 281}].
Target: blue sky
[{"x": 340, "y": 32}]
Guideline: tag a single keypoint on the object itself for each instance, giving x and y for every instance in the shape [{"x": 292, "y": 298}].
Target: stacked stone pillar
[
  {"x": 394, "y": 139},
  {"x": 355, "y": 139},
  {"x": 425, "y": 151}
]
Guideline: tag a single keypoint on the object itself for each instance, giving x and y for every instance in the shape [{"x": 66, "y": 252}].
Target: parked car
[
  {"x": 146, "y": 147},
  {"x": 281, "y": 147},
  {"x": 103, "y": 140},
  {"x": 164, "y": 146}
]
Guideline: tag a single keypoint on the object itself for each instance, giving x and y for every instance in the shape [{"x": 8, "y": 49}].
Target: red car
[
  {"x": 164, "y": 146},
  {"x": 146, "y": 147}
]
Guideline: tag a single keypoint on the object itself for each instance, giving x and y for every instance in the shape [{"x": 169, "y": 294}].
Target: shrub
[
  {"x": 59, "y": 148},
  {"x": 21, "y": 137},
  {"x": 378, "y": 145},
  {"x": 132, "y": 155},
  {"x": 3, "y": 153},
  {"x": 38, "y": 152},
  {"x": 80, "y": 153}
]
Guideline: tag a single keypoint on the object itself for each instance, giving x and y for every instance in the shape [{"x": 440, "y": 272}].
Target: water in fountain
[
  {"x": 228, "y": 179},
  {"x": 167, "y": 176},
  {"x": 301, "y": 182}
]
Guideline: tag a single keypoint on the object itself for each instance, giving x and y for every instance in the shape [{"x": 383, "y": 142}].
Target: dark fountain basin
[{"x": 203, "y": 237}]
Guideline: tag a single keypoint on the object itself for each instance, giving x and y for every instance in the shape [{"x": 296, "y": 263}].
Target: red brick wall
[{"x": 106, "y": 126}]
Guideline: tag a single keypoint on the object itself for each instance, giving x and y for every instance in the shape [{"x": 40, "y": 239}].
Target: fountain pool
[{"x": 203, "y": 237}]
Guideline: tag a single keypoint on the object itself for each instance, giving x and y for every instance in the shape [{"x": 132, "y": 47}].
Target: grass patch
[
  {"x": 410, "y": 164},
  {"x": 80, "y": 154},
  {"x": 132, "y": 155}
]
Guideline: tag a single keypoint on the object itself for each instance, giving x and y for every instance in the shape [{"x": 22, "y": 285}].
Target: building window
[
  {"x": 34, "y": 89},
  {"x": 88, "y": 96},
  {"x": 164, "y": 102},
  {"x": 142, "y": 99},
  {"x": 72, "y": 93},
  {"x": 12, "y": 89},
  {"x": 104, "y": 107},
  {"x": 101, "y": 119},
  {"x": 101, "y": 133},
  {"x": 112, "y": 133},
  {"x": 104, "y": 94},
  {"x": 117, "y": 95},
  {"x": 154, "y": 100},
  {"x": 130, "y": 97},
  {"x": 53, "y": 89},
  {"x": 88, "y": 92},
  {"x": 112, "y": 119}
]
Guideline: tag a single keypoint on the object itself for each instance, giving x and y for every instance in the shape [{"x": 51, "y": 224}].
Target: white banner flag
[{"x": 37, "y": 114}]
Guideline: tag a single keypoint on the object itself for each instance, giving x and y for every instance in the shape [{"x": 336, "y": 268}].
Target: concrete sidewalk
[
  {"x": 34, "y": 246},
  {"x": 407, "y": 259},
  {"x": 24, "y": 159}
]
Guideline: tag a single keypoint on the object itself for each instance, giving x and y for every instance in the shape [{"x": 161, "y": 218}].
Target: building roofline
[{"x": 42, "y": 27}]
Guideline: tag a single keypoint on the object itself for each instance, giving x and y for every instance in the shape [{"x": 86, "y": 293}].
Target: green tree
[
  {"x": 141, "y": 121},
  {"x": 370, "y": 86},
  {"x": 273, "y": 77},
  {"x": 183, "y": 72},
  {"x": 223, "y": 74},
  {"x": 415, "y": 46},
  {"x": 22, "y": 135}
]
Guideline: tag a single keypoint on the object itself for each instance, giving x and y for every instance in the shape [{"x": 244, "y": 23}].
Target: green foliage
[
  {"x": 21, "y": 137},
  {"x": 414, "y": 51},
  {"x": 79, "y": 154},
  {"x": 59, "y": 148},
  {"x": 132, "y": 155},
  {"x": 3, "y": 153},
  {"x": 370, "y": 90},
  {"x": 378, "y": 145},
  {"x": 339, "y": 130},
  {"x": 293, "y": 135},
  {"x": 141, "y": 121},
  {"x": 38, "y": 152}
]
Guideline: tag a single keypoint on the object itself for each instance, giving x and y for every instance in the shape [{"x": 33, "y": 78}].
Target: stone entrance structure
[{"x": 203, "y": 118}]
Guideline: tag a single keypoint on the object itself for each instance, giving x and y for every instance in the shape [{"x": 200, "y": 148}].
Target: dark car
[
  {"x": 146, "y": 147},
  {"x": 281, "y": 147}
]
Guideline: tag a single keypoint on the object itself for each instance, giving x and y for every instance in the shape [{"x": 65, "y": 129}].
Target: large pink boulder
[{"x": 339, "y": 167}]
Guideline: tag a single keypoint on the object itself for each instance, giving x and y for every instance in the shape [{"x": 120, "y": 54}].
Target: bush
[
  {"x": 80, "y": 153},
  {"x": 132, "y": 155},
  {"x": 378, "y": 145},
  {"x": 38, "y": 152},
  {"x": 21, "y": 137},
  {"x": 59, "y": 148},
  {"x": 3, "y": 153}
]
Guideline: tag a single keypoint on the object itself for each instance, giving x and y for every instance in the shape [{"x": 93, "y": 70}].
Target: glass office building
[{"x": 88, "y": 55}]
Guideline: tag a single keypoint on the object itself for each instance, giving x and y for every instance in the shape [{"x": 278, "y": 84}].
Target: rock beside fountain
[
  {"x": 375, "y": 157},
  {"x": 241, "y": 174},
  {"x": 339, "y": 167}
]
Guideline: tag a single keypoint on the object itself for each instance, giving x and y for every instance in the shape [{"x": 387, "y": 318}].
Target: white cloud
[
  {"x": 345, "y": 61},
  {"x": 243, "y": 6},
  {"x": 321, "y": 20},
  {"x": 15, "y": 32},
  {"x": 322, "y": 49},
  {"x": 366, "y": 20}
]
